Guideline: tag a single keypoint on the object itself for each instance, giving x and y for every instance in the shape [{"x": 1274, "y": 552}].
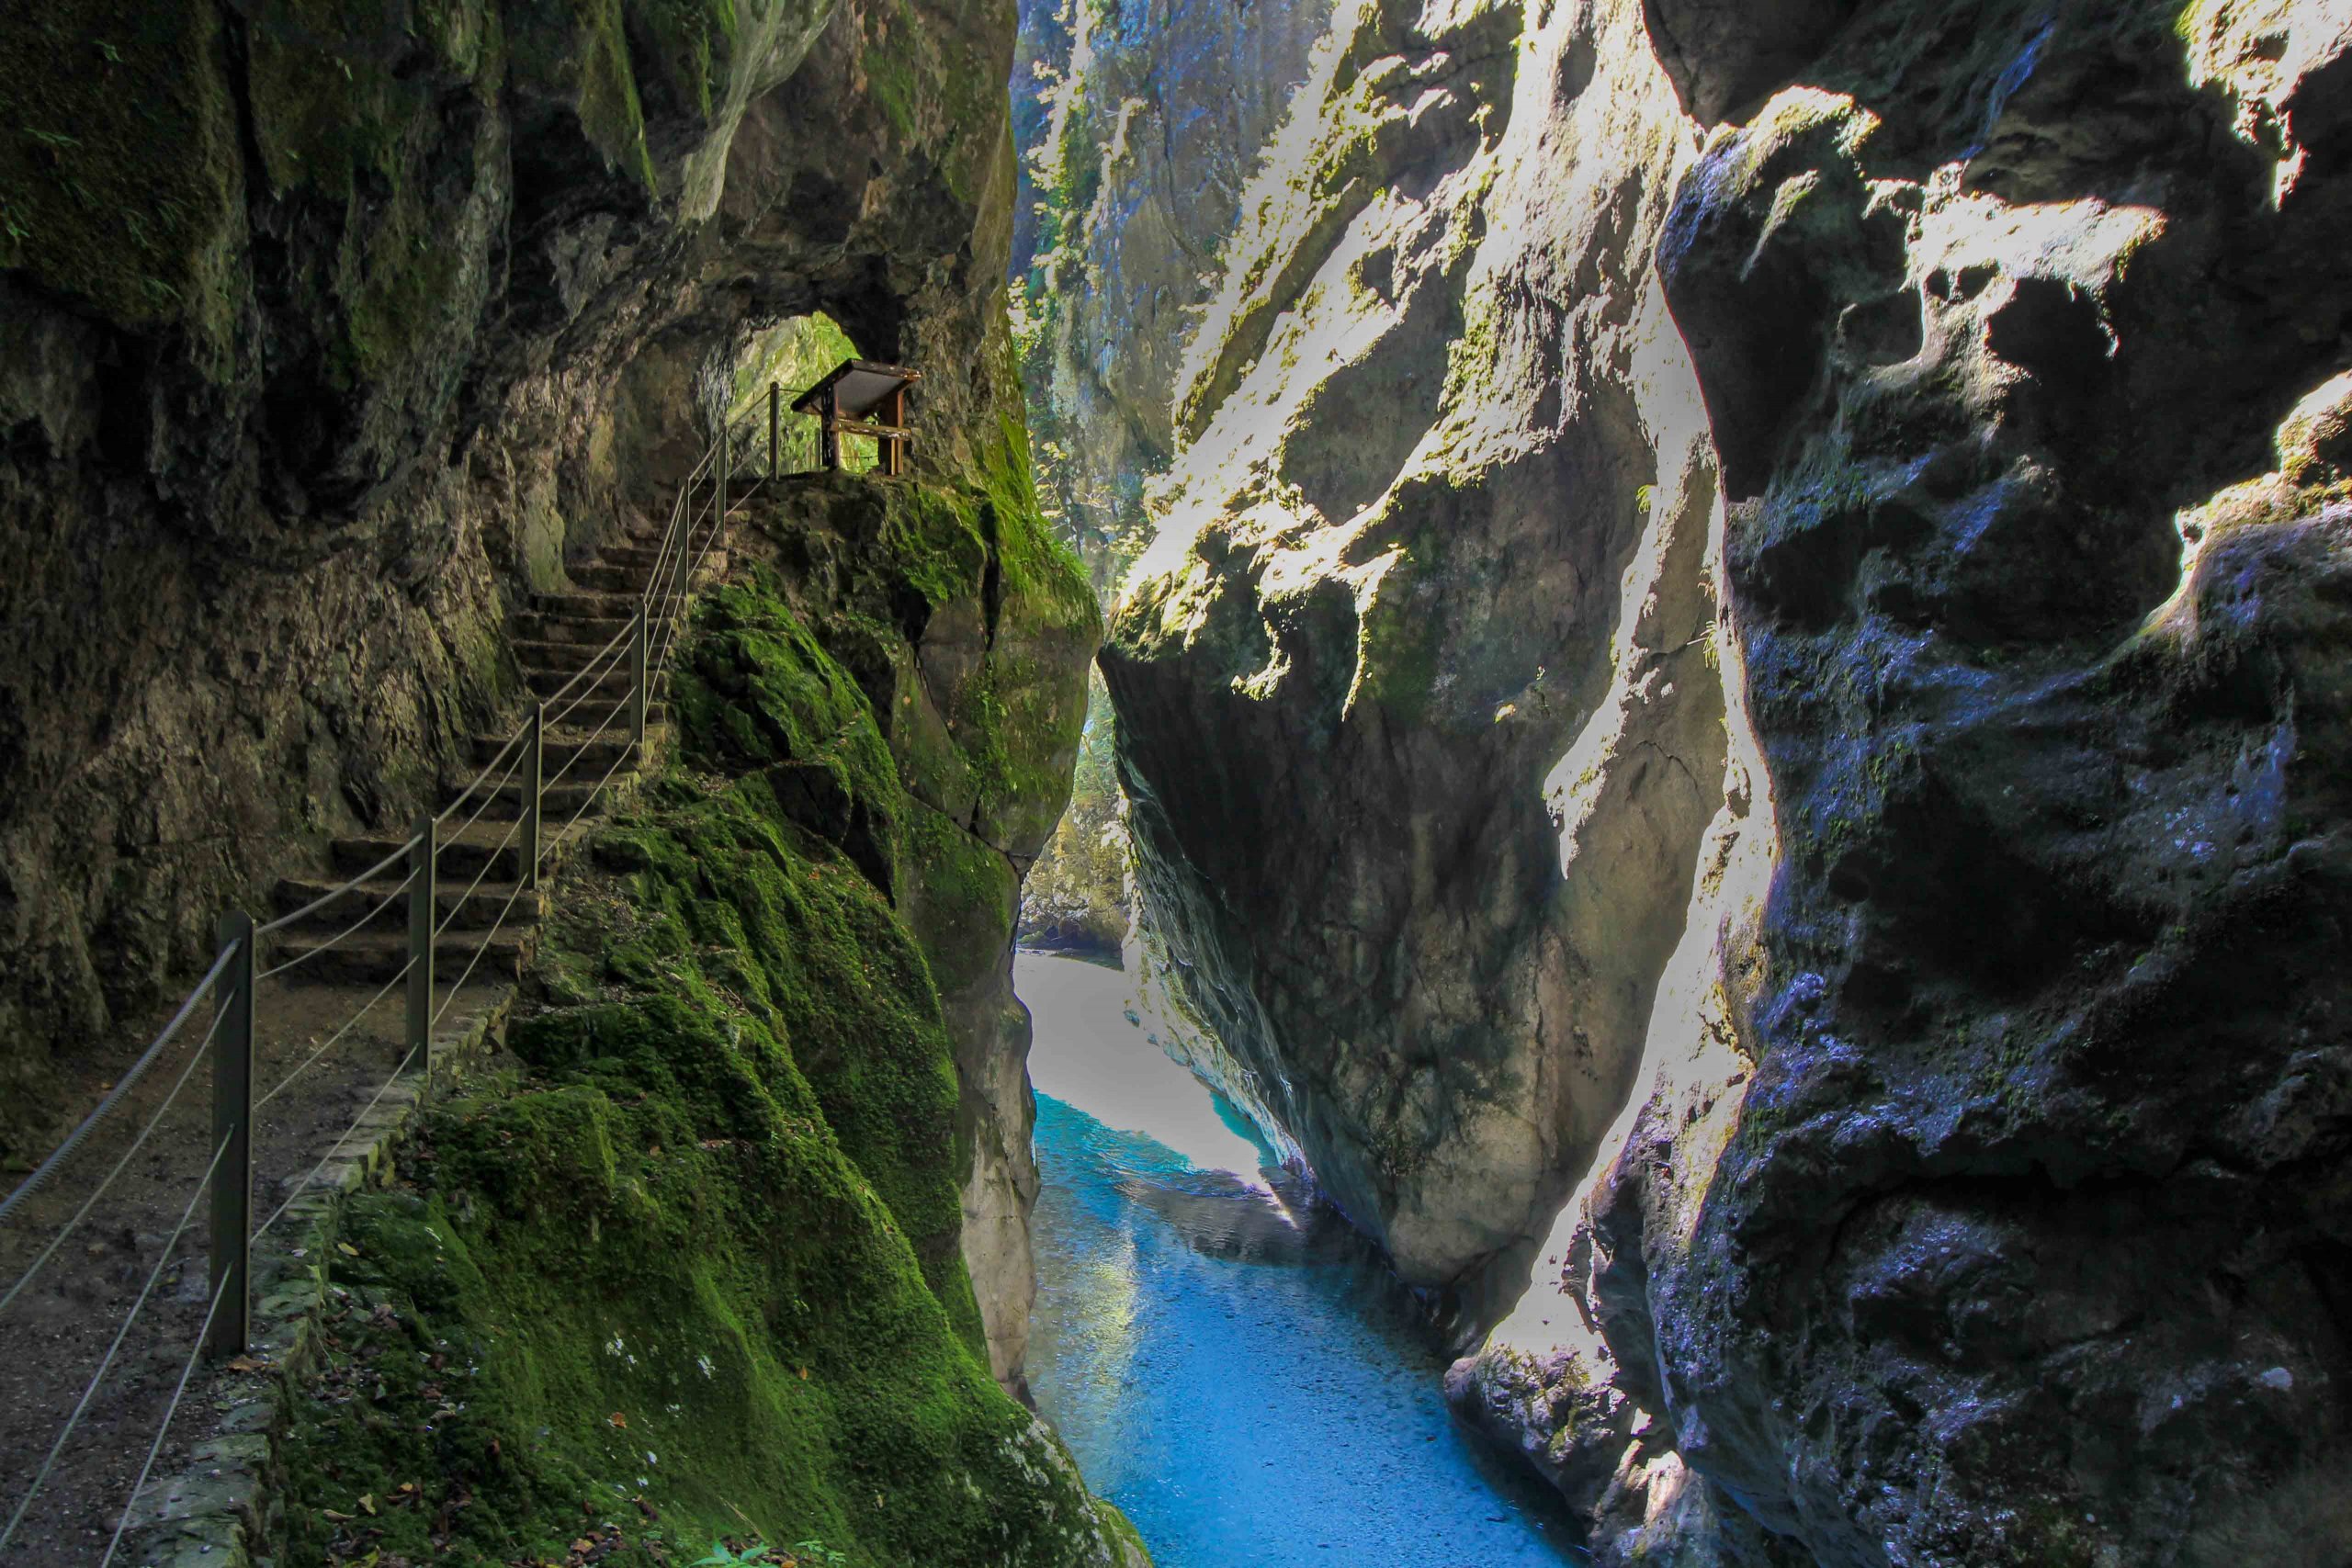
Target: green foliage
[{"x": 700, "y": 1248}]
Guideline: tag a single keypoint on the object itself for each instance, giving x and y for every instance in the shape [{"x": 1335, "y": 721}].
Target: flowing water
[{"x": 1232, "y": 1365}]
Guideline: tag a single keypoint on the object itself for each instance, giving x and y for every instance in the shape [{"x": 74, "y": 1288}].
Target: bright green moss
[{"x": 702, "y": 1247}]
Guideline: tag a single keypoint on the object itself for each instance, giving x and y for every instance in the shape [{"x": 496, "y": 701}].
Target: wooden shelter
[{"x": 861, "y": 398}]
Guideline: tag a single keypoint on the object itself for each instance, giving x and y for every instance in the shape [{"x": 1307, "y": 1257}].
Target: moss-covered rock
[{"x": 693, "y": 1272}]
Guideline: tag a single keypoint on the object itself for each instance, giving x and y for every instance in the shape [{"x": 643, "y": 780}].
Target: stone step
[
  {"x": 533, "y": 653},
  {"x": 612, "y": 679},
  {"x": 460, "y": 854},
  {"x": 606, "y": 577},
  {"x": 605, "y": 718},
  {"x": 586, "y": 632},
  {"x": 374, "y": 955},
  {"x": 558, "y": 800},
  {"x": 384, "y": 901},
  {"x": 558, "y": 746},
  {"x": 610, "y": 606}
]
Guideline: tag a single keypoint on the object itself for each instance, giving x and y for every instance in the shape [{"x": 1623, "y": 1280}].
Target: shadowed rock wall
[
  {"x": 336, "y": 329},
  {"x": 1875, "y": 474}
]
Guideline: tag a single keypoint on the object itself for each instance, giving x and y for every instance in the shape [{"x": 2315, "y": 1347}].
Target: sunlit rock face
[
  {"x": 2021, "y": 330},
  {"x": 1895, "y": 1109},
  {"x": 1138, "y": 127},
  {"x": 1141, "y": 125},
  {"x": 1418, "y": 710},
  {"x": 334, "y": 330}
]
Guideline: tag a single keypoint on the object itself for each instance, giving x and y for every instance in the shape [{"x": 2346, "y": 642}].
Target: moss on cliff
[{"x": 700, "y": 1248}]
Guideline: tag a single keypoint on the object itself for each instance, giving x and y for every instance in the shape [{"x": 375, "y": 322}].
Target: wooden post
[
  {"x": 894, "y": 451},
  {"x": 232, "y": 1125},
  {"x": 421, "y": 914},
  {"x": 832, "y": 436}
]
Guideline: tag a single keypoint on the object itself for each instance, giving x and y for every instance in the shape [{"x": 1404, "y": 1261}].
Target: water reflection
[{"x": 1229, "y": 1362}]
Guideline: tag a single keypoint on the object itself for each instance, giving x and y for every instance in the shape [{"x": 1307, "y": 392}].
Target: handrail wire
[
  {"x": 674, "y": 601},
  {"x": 487, "y": 865},
  {"x": 559, "y": 719},
  {"x": 25, "y": 1188},
  {"x": 675, "y": 624},
  {"x": 594, "y": 660},
  {"x": 581, "y": 749},
  {"x": 459, "y": 984},
  {"x": 593, "y": 794},
  {"x": 219, "y": 1293},
  {"x": 99, "y": 1191},
  {"x": 337, "y": 891},
  {"x": 203, "y": 1185},
  {"x": 342, "y": 1139},
  {"x": 365, "y": 1008},
  {"x": 487, "y": 795},
  {"x": 475, "y": 783},
  {"x": 376, "y": 909}
]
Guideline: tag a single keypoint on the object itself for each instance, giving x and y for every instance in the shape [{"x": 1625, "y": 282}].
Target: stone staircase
[{"x": 557, "y": 636}]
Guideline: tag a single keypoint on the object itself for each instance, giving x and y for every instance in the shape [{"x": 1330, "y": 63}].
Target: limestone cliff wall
[
  {"x": 333, "y": 330},
  {"x": 1419, "y": 709},
  {"x": 1138, "y": 127},
  {"x": 1735, "y": 729}
]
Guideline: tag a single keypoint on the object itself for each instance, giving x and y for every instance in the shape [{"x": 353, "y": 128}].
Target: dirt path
[{"x": 55, "y": 1335}]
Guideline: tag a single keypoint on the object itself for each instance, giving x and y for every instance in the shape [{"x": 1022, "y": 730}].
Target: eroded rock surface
[
  {"x": 1877, "y": 472},
  {"x": 1138, "y": 127},
  {"x": 2030, "y": 1244},
  {"x": 1418, "y": 710},
  {"x": 336, "y": 330}
]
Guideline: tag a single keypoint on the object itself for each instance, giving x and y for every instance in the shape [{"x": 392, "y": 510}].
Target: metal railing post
[
  {"x": 232, "y": 1125},
  {"x": 421, "y": 914},
  {"x": 638, "y": 654},
  {"x": 533, "y": 771},
  {"x": 775, "y": 429}
]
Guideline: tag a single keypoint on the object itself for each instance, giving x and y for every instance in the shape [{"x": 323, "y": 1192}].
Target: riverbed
[{"x": 1229, "y": 1362}]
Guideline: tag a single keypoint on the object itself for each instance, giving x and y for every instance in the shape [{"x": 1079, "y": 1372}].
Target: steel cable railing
[
  {"x": 614, "y": 648},
  {"x": 329, "y": 1044},
  {"x": 304, "y": 1185},
  {"x": 179, "y": 1391},
  {"x": 99, "y": 1191},
  {"x": 513, "y": 742},
  {"x": 122, "y": 1087},
  {"x": 644, "y": 648},
  {"x": 488, "y": 864},
  {"x": 89, "y": 1392},
  {"x": 481, "y": 948},
  {"x": 332, "y": 894},
  {"x": 493, "y": 793},
  {"x": 317, "y": 948},
  {"x": 580, "y": 748}
]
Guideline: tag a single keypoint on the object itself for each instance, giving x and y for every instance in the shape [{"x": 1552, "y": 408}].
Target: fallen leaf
[
  {"x": 247, "y": 1364},
  {"x": 367, "y": 1503},
  {"x": 336, "y": 1518},
  {"x": 646, "y": 1508},
  {"x": 346, "y": 1249},
  {"x": 617, "y": 1419},
  {"x": 803, "y": 1374}
]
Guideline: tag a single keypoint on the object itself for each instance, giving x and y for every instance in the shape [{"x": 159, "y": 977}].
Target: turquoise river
[{"x": 1230, "y": 1363}]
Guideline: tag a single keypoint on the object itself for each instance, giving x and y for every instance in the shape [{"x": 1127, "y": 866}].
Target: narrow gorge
[{"x": 1659, "y": 689}]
